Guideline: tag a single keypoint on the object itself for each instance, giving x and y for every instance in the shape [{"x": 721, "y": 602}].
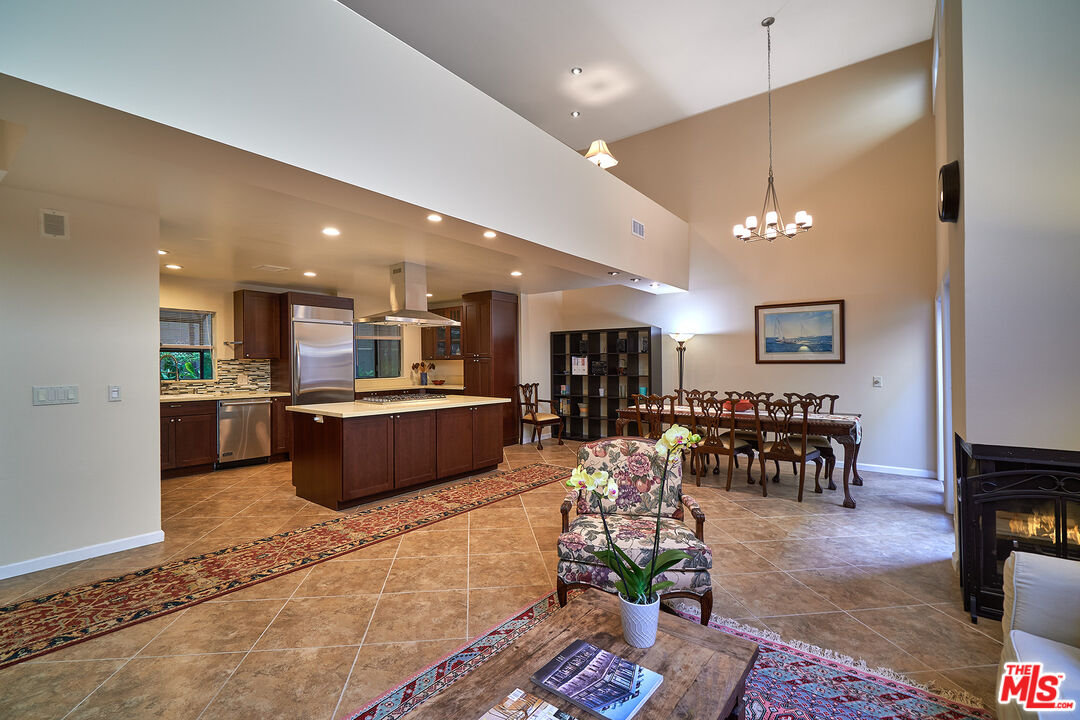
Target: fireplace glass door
[
  {"x": 1072, "y": 530},
  {"x": 1019, "y": 524}
]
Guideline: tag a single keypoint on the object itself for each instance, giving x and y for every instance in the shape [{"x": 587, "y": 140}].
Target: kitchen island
[{"x": 350, "y": 452}]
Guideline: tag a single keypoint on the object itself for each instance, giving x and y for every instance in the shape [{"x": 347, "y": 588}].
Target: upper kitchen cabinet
[
  {"x": 489, "y": 329},
  {"x": 256, "y": 325},
  {"x": 443, "y": 343},
  {"x": 476, "y": 323}
]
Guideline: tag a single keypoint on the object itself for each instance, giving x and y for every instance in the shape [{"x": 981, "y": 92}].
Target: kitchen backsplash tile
[{"x": 232, "y": 376}]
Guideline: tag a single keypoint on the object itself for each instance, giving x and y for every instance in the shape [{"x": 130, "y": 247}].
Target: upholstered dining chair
[
  {"x": 714, "y": 421},
  {"x": 653, "y": 413},
  {"x": 818, "y": 404},
  {"x": 787, "y": 421},
  {"x": 640, "y": 471},
  {"x": 529, "y": 413}
]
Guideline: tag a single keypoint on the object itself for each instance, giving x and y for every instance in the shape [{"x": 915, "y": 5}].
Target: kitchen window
[
  {"x": 378, "y": 350},
  {"x": 187, "y": 345}
]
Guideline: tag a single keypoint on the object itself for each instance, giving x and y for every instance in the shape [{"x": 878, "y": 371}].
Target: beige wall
[
  {"x": 855, "y": 148},
  {"x": 80, "y": 312},
  {"x": 1021, "y": 243}
]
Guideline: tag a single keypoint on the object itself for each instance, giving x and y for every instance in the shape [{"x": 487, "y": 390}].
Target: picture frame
[{"x": 801, "y": 332}]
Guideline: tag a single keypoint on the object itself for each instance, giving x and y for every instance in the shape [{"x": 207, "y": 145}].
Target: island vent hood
[{"x": 408, "y": 300}]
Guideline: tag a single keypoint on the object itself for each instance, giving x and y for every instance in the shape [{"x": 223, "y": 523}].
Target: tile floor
[{"x": 875, "y": 583}]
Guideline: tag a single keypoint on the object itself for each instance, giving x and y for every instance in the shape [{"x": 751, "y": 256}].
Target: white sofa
[{"x": 1041, "y": 623}]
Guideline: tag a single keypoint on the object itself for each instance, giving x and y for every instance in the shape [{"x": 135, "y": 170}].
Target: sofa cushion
[
  {"x": 634, "y": 536},
  {"x": 1056, "y": 657}
]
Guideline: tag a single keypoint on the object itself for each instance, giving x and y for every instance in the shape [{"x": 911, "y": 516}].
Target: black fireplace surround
[{"x": 1012, "y": 498}]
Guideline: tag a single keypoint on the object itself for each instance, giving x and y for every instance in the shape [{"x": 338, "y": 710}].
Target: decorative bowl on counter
[{"x": 437, "y": 382}]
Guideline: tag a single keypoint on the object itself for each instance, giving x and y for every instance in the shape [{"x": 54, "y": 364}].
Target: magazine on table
[
  {"x": 597, "y": 681},
  {"x": 520, "y": 705}
]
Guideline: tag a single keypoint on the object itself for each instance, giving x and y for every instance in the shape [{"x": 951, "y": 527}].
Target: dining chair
[
  {"x": 787, "y": 421},
  {"x": 818, "y": 404},
  {"x": 692, "y": 399},
  {"x": 528, "y": 402},
  {"x": 653, "y": 411},
  {"x": 748, "y": 395},
  {"x": 714, "y": 421}
]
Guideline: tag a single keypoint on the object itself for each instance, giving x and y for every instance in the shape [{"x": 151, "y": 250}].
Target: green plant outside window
[{"x": 186, "y": 365}]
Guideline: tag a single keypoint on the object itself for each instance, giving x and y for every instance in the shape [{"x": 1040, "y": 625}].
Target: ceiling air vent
[
  {"x": 270, "y": 268},
  {"x": 637, "y": 228},
  {"x": 54, "y": 224}
]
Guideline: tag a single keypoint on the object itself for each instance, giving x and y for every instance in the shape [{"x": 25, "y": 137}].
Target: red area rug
[
  {"x": 786, "y": 683},
  {"x": 33, "y": 627}
]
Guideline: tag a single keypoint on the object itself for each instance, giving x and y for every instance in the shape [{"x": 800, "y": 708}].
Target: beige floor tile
[
  {"x": 215, "y": 627},
  {"x": 981, "y": 680},
  {"x": 396, "y": 618},
  {"x": 249, "y": 526},
  {"x": 281, "y": 587},
  {"x": 436, "y": 542},
  {"x": 850, "y": 588},
  {"x": 319, "y": 622},
  {"x": 842, "y": 633},
  {"x": 411, "y": 574},
  {"x": 773, "y": 593},
  {"x": 725, "y": 604},
  {"x": 354, "y": 577},
  {"x": 988, "y": 627},
  {"x": 507, "y": 513},
  {"x": 455, "y": 522},
  {"x": 932, "y": 582},
  {"x": 502, "y": 540},
  {"x": 284, "y": 684},
  {"x": 381, "y": 667},
  {"x": 507, "y": 570},
  {"x": 169, "y": 687},
  {"x": 736, "y": 558},
  {"x": 800, "y": 554},
  {"x": 490, "y": 606},
  {"x": 44, "y": 691},
  {"x": 932, "y": 637}
]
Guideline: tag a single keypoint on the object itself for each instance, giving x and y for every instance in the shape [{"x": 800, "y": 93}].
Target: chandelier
[{"x": 772, "y": 220}]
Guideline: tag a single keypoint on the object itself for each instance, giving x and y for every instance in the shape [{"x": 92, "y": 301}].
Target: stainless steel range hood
[{"x": 408, "y": 300}]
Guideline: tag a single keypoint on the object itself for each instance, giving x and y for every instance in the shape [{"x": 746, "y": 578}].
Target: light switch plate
[
  {"x": 114, "y": 393},
  {"x": 878, "y": 382},
  {"x": 55, "y": 394}
]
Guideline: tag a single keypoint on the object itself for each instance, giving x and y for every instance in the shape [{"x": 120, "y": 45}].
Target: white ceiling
[{"x": 646, "y": 63}]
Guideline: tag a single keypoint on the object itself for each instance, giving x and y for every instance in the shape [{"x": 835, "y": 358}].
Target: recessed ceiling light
[
  {"x": 654, "y": 285},
  {"x": 575, "y": 71},
  {"x": 489, "y": 234},
  {"x": 435, "y": 217},
  {"x": 612, "y": 273},
  {"x": 309, "y": 274},
  {"x": 174, "y": 267},
  {"x": 162, "y": 252},
  {"x": 575, "y": 113},
  {"x": 634, "y": 279},
  {"x": 516, "y": 273},
  {"x": 430, "y": 295},
  {"x": 331, "y": 231}
]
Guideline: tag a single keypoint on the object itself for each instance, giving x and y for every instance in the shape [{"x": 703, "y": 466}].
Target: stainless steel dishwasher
[{"x": 243, "y": 429}]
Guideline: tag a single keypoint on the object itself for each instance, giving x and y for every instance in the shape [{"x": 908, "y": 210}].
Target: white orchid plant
[{"x": 637, "y": 584}]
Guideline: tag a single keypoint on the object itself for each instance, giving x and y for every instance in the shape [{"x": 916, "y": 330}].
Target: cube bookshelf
[{"x": 619, "y": 362}]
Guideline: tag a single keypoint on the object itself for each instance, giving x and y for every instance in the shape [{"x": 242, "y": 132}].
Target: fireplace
[{"x": 1012, "y": 498}]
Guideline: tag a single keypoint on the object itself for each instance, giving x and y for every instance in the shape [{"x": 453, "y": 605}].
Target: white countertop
[
  {"x": 407, "y": 386},
  {"x": 237, "y": 395},
  {"x": 367, "y": 409}
]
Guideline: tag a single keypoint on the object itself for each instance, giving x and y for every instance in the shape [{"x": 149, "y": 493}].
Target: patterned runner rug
[
  {"x": 32, "y": 627},
  {"x": 786, "y": 683}
]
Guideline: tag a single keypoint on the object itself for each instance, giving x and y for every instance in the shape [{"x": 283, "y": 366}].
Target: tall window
[
  {"x": 378, "y": 350},
  {"x": 187, "y": 345}
]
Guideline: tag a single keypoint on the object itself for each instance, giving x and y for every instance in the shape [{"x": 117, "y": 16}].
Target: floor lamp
[{"x": 681, "y": 339}]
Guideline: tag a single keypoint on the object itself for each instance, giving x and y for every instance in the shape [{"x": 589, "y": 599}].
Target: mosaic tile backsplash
[{"x": 232, "y": 376}]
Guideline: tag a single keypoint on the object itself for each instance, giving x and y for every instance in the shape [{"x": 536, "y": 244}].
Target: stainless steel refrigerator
[{"x": 322, "y": 355}]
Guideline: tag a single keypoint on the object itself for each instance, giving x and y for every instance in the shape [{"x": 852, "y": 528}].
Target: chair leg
[
  {"x": 817, "y": 475},
  {"x": 706, "y": 607},
  {"x": 749, "y": 464},
  {"x": 802, "y": 478},
  {"x": 730, "y": 467},
  {"x": 776, "y": 477},
  {"x": 794, "y": 469},
  {"x": 764, "y": 477},
  {"x": 538, "y": 433},
  {"x": 736, "y": 461},
  {"x": 560, "y": 589},
  {"x": 830, "y": 465},
  {"x": 560, "y": 431},
  {"x": 521, "y": 426}
]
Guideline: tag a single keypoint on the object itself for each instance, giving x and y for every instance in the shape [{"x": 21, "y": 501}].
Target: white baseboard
[
  {"x": 84, "y": 553},
  {"x": 893, "y": 470}
]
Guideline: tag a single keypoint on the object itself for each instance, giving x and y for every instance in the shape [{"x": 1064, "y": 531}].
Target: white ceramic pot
[{"x": 639, "y": 622}]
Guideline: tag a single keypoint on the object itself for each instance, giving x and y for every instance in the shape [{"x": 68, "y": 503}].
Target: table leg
[
  {"x": 855, "y": 466},
  {"x": 620, "y": 426},
  {"x": 849, "y": 461},
  {"x": 739, "y": 711}
]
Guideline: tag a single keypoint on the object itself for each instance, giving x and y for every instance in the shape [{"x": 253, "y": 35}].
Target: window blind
[{"x": 186, "y": 328}]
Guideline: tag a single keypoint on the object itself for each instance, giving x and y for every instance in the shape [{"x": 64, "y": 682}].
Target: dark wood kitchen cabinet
[
  {"x": 469, "y": 439},
  {"x": 442, "y": 343},
  {"x": 280, "y": 431},
  {"x": 487, "y": 443},
  {"x": 256, "y": 325},
  {"x": 414, "y": 448},
  {"x": 188, "y": 435},
  {"x": 367, "y": 455},
  {"x": 490, "y": 348}
]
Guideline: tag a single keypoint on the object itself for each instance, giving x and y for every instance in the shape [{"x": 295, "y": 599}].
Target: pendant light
[
  {"x": 771, "y": 223},
  {"x": 599, "y": 154}
]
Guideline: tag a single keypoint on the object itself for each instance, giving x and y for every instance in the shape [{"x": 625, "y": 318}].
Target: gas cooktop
[{"x": 401, "y": 398}]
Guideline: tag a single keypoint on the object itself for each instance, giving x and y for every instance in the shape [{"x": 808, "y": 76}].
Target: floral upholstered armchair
[{"x": 639, "y": 470}]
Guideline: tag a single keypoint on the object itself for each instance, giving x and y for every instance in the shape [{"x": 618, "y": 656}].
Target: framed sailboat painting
[{"x": 800, "y": 332}]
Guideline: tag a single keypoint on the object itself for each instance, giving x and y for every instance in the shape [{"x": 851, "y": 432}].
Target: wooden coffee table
[{"x": 704, "y": 670}]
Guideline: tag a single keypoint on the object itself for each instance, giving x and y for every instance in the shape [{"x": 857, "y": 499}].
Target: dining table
[{"x": 844, "y": 428}]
